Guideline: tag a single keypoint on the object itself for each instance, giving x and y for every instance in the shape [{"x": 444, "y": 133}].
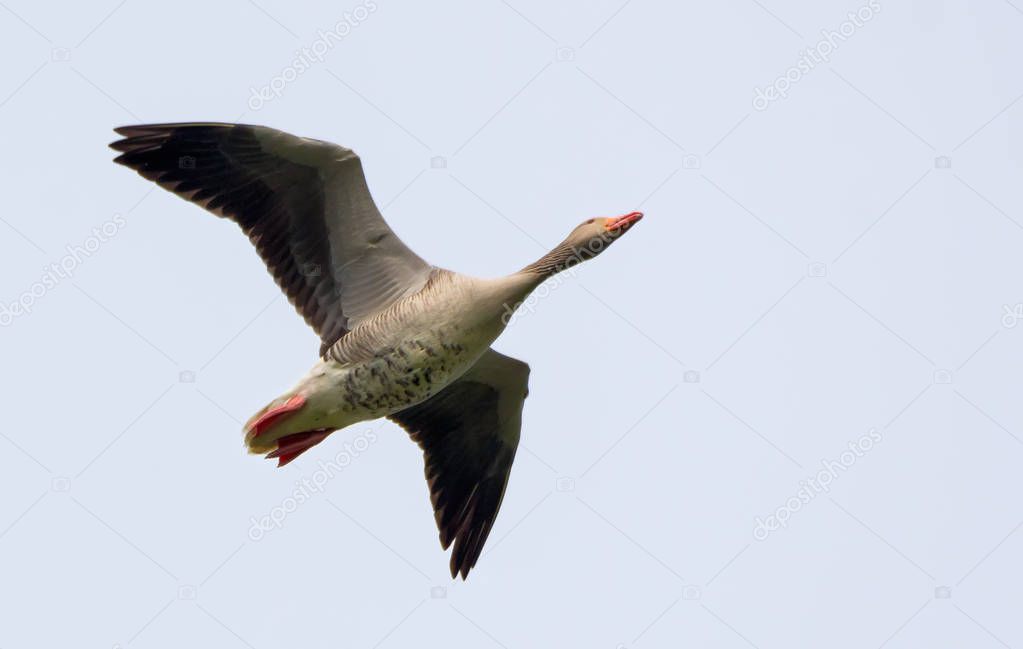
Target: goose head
[
  {"x": 586, "y": 241},
  {"x": 595, "y": 235}
]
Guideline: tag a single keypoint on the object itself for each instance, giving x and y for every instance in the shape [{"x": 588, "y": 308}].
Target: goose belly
[{"x": 401, "y": 375}]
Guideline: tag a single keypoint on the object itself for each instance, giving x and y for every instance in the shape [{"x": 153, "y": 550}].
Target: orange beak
[{"x": 624, "y": 222}]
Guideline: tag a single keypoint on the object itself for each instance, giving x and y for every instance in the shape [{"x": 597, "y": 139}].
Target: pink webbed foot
[
  {"x": 291, "y": 446},
  {"x": 273, "y": 415}
]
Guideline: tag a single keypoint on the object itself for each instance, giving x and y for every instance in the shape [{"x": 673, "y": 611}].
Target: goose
[{"x": 400, "y": 338}]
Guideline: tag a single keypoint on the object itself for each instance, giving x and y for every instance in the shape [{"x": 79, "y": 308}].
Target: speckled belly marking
[{"x": 402, "y": 375}]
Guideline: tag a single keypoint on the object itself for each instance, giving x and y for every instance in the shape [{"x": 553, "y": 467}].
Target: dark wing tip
[
  {"x": 137, "y": 138},
  {"x": 121, "y": 145},
  {"x": 474, "y": 529},
  {"x": 143, "y": 144},
  {"x": 142, "y": 129},
  {"x": 460, "y": 568},
  {"x": 133, "y": 129},
  {"x": 149, "y": 132}
]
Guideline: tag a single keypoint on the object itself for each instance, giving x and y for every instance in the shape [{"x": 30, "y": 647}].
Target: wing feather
[
  {"x": 469, "y": 432},
  {"x": 304, "y": 204}
]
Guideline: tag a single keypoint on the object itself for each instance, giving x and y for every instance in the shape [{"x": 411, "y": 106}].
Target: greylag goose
[{"x": 399, "y": 338}]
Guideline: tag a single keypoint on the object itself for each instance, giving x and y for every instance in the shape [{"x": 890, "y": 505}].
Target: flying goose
[{"x": 399, "y": 338}]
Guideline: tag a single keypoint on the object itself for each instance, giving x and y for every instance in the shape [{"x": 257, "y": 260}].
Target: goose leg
[
  {"x": 266, "y": 418},
  {"x": 291, "y": 446}
]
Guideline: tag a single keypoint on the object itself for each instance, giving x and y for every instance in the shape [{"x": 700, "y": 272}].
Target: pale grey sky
[{"x": 830, "y": 257}]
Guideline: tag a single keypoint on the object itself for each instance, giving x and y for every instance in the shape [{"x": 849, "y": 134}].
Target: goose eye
[{"x": 590, "y": 221}]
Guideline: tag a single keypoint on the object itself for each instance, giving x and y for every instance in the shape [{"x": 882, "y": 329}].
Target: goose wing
[
  {"x": 469, "y": 432},
  {"x": 304, "y": 205}
]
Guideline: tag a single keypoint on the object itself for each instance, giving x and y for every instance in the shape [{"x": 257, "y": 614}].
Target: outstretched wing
[
  {"x": 304, "y": 205},
  {"x": 469, "y": 432}
]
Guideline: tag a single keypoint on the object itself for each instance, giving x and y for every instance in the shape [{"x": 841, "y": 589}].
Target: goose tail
[{"x": 271, "y": 431}]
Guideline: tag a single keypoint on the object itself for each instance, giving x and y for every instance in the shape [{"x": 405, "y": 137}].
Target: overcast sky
[{"x": 830, "y": 257}]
